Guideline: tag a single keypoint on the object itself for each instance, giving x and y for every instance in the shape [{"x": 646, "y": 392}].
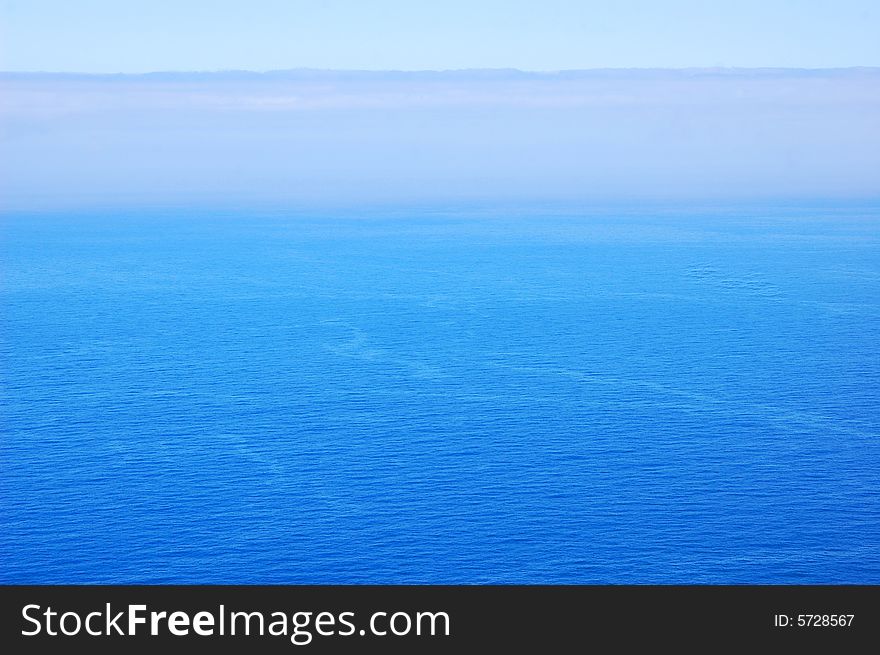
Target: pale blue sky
[{"x": 150, "y": 35}]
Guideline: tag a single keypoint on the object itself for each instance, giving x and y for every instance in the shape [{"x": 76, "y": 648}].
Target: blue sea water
[{"x": 441, "y": 396}]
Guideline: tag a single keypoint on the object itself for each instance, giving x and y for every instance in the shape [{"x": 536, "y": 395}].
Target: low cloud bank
[{"x": 349, "y": 137}]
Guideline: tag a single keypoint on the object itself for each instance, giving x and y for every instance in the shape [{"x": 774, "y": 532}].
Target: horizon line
[{"x": 447, "y": 71}]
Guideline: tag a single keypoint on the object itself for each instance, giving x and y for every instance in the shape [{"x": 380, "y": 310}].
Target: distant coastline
[{"x": 461, "y": 73}]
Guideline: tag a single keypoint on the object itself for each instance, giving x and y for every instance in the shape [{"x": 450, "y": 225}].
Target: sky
[{"x": 136, "y": 36}]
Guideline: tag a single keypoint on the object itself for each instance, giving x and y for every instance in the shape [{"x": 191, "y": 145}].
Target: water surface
[{"x": 417, "y": 396}]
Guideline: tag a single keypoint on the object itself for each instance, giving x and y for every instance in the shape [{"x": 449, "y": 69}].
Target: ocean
[{"x": 441, "y": 395}]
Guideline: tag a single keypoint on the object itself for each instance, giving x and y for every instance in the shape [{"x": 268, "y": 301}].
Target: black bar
[{"x": 498, "y": 618}]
